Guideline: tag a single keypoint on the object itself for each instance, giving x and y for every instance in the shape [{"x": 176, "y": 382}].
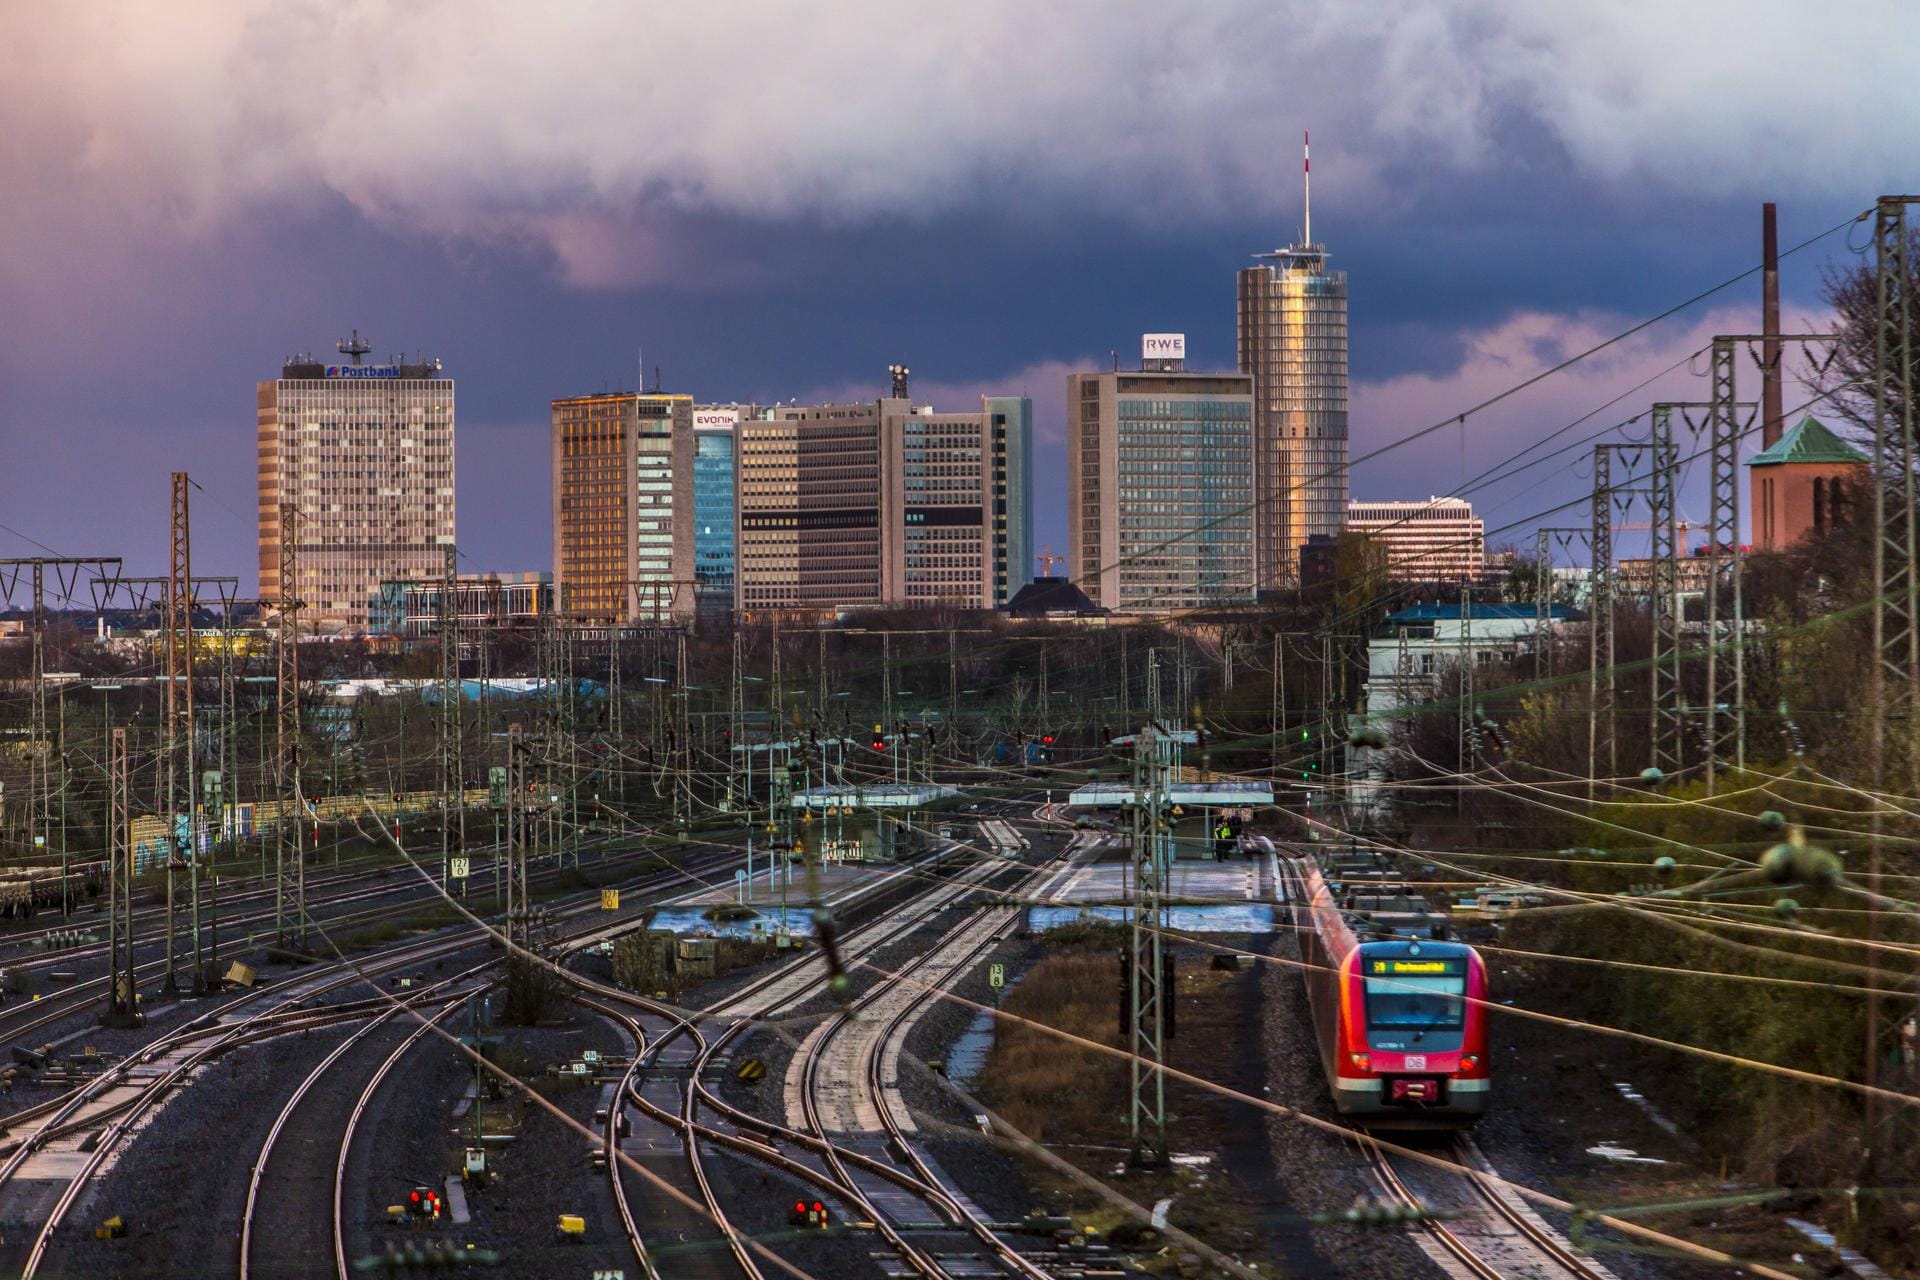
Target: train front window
[{"x": 1417, "y": 1003}]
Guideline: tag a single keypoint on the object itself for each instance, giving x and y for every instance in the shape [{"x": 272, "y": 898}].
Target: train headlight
[
  {"x": 1469, "y": 1062},
  {"x": 1362, "y": 1061}
]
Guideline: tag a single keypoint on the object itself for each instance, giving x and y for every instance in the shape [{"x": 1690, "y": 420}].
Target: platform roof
[
  {"x": 1229, "y": 794},
  {"x": 889, "y": 795}
]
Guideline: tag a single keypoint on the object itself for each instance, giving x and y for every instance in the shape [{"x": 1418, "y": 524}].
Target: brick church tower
[{"x": 1803, "y": 482}]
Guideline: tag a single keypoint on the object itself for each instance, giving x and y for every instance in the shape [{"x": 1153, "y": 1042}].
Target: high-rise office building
[
  {"x": 1160, "y": 483},
  {"x": 623, "y": 499},
  {"x": 809, "y": 508},
  {"x": 883, "y": 503},
  {"x": 365, "y": 454},
  {"x": 1010, "y": 423},
  {"x": 1439, "y": 540},
  {"x": 938, "y": 509},
  {"x": 1292, "y": 325},
  {"x": 715, "y": 479}
]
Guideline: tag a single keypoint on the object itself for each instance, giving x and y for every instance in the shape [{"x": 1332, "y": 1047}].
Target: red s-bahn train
[{"x": 1402, "y": 1037}]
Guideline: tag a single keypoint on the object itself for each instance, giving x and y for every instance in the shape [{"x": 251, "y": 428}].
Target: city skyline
[{"x": 1491, "y": 242}]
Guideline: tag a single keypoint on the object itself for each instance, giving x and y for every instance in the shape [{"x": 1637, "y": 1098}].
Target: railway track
[
  {"x": 849, "y": 1082},
  {"x": 102, "y": 1112},
  {"x": 342, "y": 1266},
  {"x": 107, "y": 1109},
  {"x": 22, "y": 1023},
  {"x": 261, "y": 1250},
  {"x": 676, "y": 1046},
  {"x": 282, "y": 1244},
  {"x": 1479, "y": 1231}
]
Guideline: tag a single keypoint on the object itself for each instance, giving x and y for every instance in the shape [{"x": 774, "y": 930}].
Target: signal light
[{"x": 1046, "y": 739}]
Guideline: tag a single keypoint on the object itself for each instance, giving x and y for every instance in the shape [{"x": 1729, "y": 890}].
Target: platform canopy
[
  {"x": 890, "y": 795},
  {"x": 1230, "y": 794}
]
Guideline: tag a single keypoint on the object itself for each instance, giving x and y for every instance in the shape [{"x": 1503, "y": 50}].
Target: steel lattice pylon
[
  {"x": 1663, "y": 604},
  {"x": 290, "y": 832},
  {"x": 518, "y": 904},
  {"x": 122, "y": 1007},
  {"x": 1896, "y": 667},
  {"x": 1603, "y": 685},
  {"x": 1543, "y": 539},
  {"x": 453, "y": 808},
  {"x": 179, "y": 732},
  {"x": 1156, "y": 758},
  {"x": 1725, "y": 714},
  {"x": 1600, "y": 606}
]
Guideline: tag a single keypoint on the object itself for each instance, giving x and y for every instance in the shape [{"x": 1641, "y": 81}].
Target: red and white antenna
[{"x": 1306, "y": 182}]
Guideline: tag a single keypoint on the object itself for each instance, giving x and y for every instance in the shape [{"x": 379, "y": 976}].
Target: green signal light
[{"x": 1303, "y": 735}]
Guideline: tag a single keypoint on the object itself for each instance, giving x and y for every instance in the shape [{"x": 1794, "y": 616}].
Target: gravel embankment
[{"x": 1318, "y": 1172}]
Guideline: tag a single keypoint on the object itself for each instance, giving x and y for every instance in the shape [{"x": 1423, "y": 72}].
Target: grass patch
[
  {"x": 1088, "y": 932},
  {"x": 1060, "y": 1083},
  {"x": 1053, "y": 1090}
]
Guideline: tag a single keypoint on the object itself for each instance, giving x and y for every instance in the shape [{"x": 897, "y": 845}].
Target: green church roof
[{"x": 1810, "y": 441}]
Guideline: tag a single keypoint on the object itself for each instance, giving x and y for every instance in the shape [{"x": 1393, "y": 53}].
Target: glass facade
[
  {"x": 1011, "y": 422},
  {"x": 713, "y": 479},
  {"x": 1160, "y": 490},
  {"x": 1186, "y": 491},
  {"x": 1292, "y": 327}
]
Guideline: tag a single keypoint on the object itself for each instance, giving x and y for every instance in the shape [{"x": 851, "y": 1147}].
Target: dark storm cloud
[{"x": 778, "y": 198}]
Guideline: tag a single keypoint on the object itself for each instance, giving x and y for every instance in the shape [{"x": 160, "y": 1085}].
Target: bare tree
[{"x": 1846, "y": 375}]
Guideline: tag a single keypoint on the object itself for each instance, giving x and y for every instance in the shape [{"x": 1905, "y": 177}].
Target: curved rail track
[{"x": 1477, "y": 1229}]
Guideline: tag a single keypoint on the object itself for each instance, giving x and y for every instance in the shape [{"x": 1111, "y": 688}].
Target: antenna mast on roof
[
  {"x": 1306, "y": 184},
  {"x": 354, "y": 347}
]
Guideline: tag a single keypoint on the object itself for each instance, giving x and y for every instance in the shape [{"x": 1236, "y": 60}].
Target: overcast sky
[{"x": 778, "y": 199}]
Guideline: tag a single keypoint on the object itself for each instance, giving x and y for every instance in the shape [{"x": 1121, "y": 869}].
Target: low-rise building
[
  {"x": 412, "y": 609},
  {"x": 1411, "y": 654},
  {"x": 1439, "y": 540}
]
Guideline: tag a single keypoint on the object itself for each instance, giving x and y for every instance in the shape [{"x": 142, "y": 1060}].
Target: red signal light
[{"x": 1046, "y": 739}]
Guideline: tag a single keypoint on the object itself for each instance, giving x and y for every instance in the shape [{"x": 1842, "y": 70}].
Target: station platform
[{"x": 1235, "y": 896}]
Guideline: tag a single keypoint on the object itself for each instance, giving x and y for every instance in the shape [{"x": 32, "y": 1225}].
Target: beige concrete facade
[
  {"x": 875, "y": 504},
  {"x": 366, "y": 454}
]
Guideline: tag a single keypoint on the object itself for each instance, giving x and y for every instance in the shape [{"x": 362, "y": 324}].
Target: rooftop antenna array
[{"x": 353, "y": 348}]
